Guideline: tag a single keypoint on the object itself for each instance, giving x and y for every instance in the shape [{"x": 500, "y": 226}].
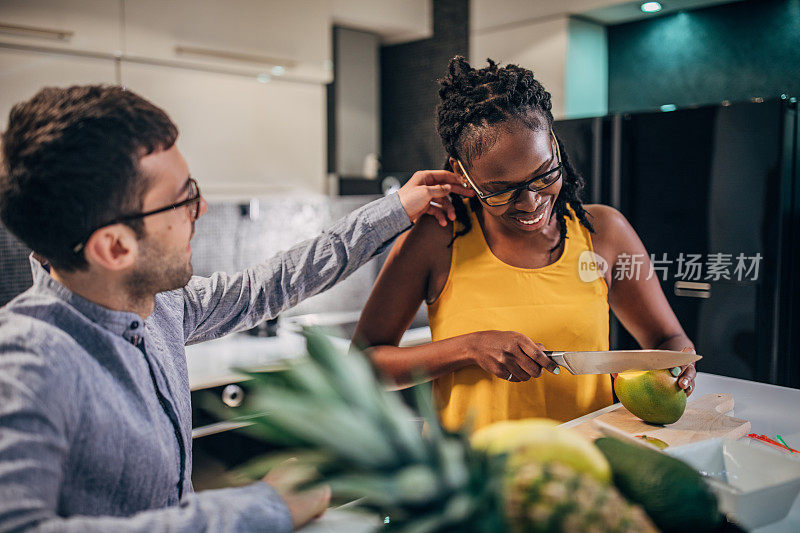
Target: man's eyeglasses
[
  {"x": 537, "y": 183},
  {"x": 193, "y": 202}
]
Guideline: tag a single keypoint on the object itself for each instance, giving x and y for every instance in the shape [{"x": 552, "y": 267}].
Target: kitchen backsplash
[{"x": 228, "y": 239}]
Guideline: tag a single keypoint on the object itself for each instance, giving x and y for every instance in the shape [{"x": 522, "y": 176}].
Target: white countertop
[
  {"x": 771, "y": 410},
  {"x": 213, "y": 363}
]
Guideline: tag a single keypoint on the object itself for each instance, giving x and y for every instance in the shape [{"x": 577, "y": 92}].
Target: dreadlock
[{"x": 472, "y": 102}]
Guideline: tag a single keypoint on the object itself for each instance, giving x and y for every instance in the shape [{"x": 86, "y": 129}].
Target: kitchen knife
[{"x": 620, "y": 360}]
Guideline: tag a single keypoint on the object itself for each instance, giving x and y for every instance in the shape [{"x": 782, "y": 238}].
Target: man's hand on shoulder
[{"x": 426, "y": 193}]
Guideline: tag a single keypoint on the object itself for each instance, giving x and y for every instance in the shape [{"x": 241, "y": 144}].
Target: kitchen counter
[
  {"x": 213, "y": 363},
  {"x": 771, "y": 410}
]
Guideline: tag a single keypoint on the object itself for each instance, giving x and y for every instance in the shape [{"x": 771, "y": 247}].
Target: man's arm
[
  {"x": 36, "y": 427},
  {"x": 223, "y": 303}
]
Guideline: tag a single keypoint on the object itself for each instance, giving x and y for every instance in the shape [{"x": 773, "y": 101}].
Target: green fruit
[
  {"x": 673, "y": 493},
  {"x": 549, "y": 442},
  {"x": 653, "y": 396}
]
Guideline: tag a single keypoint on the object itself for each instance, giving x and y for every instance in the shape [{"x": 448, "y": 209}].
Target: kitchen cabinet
[
  {"x": 241, "y": 137},
  {"x": 71, "y": 25},
  {"x": 23, "y": 73},
  {"x": 290, "y": 39}
]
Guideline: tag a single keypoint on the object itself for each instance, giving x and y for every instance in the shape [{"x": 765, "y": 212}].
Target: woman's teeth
[{"x": 529, "y": 222}]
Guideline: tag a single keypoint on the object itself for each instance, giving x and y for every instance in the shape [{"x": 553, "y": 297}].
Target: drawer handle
[
  {"x": 232, "y": 395},
  {"x": 31, "y": 31},
  {"x": 692, "y": 289}
]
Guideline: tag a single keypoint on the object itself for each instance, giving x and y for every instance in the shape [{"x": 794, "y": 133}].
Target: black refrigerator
[{"x": 713, "y": 193}]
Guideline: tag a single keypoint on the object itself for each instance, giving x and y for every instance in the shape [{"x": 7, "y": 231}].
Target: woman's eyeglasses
[
  {"x": 537, "y": 183},
  {"x": 193, "y": 203}
]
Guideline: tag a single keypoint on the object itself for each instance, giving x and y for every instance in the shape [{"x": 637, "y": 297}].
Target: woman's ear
[{"x": 458, "y": 170}]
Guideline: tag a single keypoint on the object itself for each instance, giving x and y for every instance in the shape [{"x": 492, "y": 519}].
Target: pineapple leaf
[
  {"x": 364, "y": 442},
  {"x": 335, "y": 427},
  {"x": 352, "y": 376}
]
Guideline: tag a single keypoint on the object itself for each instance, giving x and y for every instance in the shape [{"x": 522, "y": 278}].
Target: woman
[{"x": 503, "y": 282}]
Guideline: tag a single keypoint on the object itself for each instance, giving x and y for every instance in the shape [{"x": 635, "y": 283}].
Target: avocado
[{"x": 671, "y": 492}]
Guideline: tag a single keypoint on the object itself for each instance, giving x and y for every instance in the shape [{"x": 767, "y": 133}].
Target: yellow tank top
[{"x": 551, "y": 305}]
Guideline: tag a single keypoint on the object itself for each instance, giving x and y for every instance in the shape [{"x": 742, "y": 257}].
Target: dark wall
[
  {"x": 15, "y": 269},
  {"x": 409, "y": 93},
  {"x": 730, "y": 52}
]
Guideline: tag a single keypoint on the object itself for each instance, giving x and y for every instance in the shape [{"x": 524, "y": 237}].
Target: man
[{"x": 95, "y": 417}]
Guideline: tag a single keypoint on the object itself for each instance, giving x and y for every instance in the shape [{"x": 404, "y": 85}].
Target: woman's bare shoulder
[
  {"x": 428, "y": 237},
  {"x": 608, "y": 222}
]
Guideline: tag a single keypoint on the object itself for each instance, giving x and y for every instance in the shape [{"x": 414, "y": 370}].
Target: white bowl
[{"x": 755, "y": 485}]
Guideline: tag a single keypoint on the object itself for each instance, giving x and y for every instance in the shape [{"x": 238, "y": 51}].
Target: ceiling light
[
  {"x": 668, "y": 107},
  {"x": 650, "y": 7},
  {"x": 263, "y": 78},
  {"x": 277, "y": 70}
]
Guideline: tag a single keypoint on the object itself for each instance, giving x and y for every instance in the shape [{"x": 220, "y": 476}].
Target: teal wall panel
[
  {"x": 729, "y": 52},
  {"x": 586, "y": 83}
]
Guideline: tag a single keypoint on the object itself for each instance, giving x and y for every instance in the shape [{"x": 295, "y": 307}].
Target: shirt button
[{"x": 134, "y": 325}]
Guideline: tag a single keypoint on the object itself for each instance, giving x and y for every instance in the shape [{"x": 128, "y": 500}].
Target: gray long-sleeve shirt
[{"x": 95, "y": 414}]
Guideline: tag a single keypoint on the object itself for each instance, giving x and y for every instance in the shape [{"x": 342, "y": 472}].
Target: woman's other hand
[
  {"x": 510, "y": 355},
  {"x": 686, "y": 374}
]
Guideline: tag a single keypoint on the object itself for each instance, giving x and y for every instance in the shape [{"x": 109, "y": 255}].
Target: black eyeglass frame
[
  {"x": 518, "y": 188},
  {"x": 194, "y": 213}
]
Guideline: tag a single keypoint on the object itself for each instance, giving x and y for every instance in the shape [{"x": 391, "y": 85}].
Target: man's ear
[{"x": 112, "y": 247}]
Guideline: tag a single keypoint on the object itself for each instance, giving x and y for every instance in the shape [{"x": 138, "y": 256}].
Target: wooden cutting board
[{"x": 703, "y": 419}]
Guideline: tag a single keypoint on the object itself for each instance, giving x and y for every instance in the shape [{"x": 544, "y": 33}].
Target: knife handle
[{"x": 558, "y": 358}]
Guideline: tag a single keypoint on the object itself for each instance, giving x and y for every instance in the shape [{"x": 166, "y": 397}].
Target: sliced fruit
[
  {"x": 653, "y": 396},
  {"x": 658, "y": 443}
]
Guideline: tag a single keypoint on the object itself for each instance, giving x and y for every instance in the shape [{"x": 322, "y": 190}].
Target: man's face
[{"x": 164, "y": 254}]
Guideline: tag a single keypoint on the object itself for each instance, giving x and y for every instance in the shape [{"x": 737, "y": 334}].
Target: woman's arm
[
  {"x": 638, "y": 302},
  {"x": 416, "y": 270},
  {"x": 403, "y": 284}
]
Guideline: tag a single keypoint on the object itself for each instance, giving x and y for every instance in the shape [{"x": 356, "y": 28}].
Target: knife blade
[{"x": 608, "y": 362}]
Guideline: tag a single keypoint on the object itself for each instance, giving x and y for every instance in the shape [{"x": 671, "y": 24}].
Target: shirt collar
[{"x": 125, "y": 323}]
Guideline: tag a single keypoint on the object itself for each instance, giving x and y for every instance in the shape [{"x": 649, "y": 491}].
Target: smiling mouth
[
  {"x": 530, "y": 222},
  {"x": 530, "y": 219}
]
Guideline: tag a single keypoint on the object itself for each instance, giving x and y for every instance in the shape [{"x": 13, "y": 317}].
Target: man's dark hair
[
  {"x": 475, "y": 100},
  {"x": 71, "y": 163}
]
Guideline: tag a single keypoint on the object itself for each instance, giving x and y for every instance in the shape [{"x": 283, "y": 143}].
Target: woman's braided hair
[{"x": 475, "y": 100}]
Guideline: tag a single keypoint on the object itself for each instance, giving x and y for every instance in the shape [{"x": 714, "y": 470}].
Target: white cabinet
[
  {"x": 72, "y": 25},
  {"x": 23, "y": 73},
  {"x": 240, "y": 137},
  {"x": 273, "y": 37}
]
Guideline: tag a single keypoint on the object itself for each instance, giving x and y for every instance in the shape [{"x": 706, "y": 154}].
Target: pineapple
[
  {"x": 334, "y": 414},
  {"x": 553, "y": 497}
]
